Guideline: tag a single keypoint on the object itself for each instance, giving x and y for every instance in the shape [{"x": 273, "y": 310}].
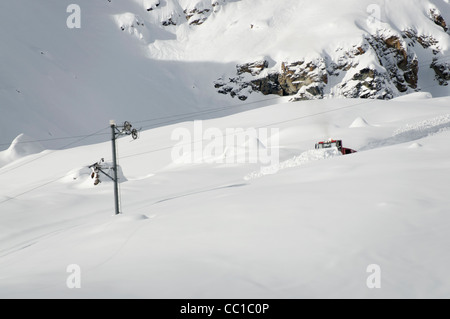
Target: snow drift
[{"x": 22, "y": 146}]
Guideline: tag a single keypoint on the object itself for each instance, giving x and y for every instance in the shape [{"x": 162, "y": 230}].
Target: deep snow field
[
  {"x": 309, "y": 228},
  {"x": 219, "y": 213}
]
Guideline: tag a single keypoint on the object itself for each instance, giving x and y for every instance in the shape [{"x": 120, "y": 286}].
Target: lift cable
[
  {"x": 176, "y": 117},
  {"x": 7, "y": 170},
  {"x": 191, "y": 143}
]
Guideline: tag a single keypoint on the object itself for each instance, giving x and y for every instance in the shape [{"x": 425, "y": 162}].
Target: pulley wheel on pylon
[
  {"x": 127, "y": 126},
  {"x": 134, "y": 134}
]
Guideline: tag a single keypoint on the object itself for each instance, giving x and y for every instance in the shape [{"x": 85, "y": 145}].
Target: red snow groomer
[{"x": 335, "y": 143}]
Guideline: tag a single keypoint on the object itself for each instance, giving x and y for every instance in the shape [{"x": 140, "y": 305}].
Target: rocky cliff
[
  {"x": 396, "y": 73},
  {"x": 388, "y": 59}
]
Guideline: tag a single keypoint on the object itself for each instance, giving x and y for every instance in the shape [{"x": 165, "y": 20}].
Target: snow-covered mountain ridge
[
  {"x": 380, "y": 52},
  {"x": 146, "y": 59}
]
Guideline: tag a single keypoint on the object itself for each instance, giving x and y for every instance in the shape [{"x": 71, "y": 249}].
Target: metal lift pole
[{"x": 114, "y": 157}]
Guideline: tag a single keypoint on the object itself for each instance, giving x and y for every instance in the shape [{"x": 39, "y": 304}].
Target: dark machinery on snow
[{"x": 335, "y": 143}]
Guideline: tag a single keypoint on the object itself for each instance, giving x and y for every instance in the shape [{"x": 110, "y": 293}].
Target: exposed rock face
[
  {"x": 442, "y": 70},
  {"x": 196, "y": 16},
  {"x": 269, "y": 84},
  {"x": 437, "y": 18},
  {"x": 168, "y": 22},
  {"x": 346, "y": 75},
  {"x": 400, "y": 63},
  {"x": 245, "y": 83},
  {"x": 383, "y": 65},
  {"x": 196, "y": 12},
  {"x": 367, "y": 83},
  {"x": 426, "y": 41},
  {"x": 130, "y": 23},
  {"x": 293, "y": 77},
  {"x": 309, "y": 75},
  {"x": 201, "y": 11},
  {"x": 253, "y": 68},
  {"x": 173, "y": 19},
  {"x": 154, "y": 5}
]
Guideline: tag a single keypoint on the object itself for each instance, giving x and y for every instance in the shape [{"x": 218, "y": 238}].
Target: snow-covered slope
[
  {"x": 147, "y": 59},
  {"x": 59, "y": 82},
  {"x": 308, "y": 225},
  {"x": 369, "y": 49},
  {"x": 296, "y": 222},
  {"x": 284, "y": 30},
  {"x": 21, "y": 146}
]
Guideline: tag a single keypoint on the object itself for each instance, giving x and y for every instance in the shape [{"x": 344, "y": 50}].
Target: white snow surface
[
  {"x": 308, "y": 230},
  {"x": 305, "y": 226}
]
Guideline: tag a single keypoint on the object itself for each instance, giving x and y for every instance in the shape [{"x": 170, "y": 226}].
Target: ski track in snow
[
  {"x": 426, "y": 125},
  {"x": 300, "y": 160},
  {"x": 413, "y": 132},
  {"x": 198, "y": 192}
]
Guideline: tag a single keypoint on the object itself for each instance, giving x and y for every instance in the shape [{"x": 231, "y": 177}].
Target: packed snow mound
[
  {"x": 359, "y": 122},
  {"x": 22, "y": 146},
  {"x": 415, "y": 145}
]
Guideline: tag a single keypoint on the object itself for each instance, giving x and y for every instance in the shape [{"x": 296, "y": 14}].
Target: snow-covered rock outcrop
[
  {"x": 173, "y": 13},
  {"x": 383, "y": 66},
  {"x": 384, "y": 62}
]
